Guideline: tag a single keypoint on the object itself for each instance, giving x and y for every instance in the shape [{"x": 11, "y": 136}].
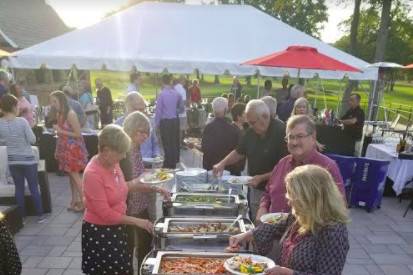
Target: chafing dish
[
  {"x": 198, "y": 233},
  {"x": 153, "y": 262},
  {"x": 205, "y": 204},
  {"x": 210, "y": 187}
]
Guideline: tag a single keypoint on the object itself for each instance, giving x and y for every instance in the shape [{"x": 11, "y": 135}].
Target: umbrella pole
[{"x": 298, "y": 76}]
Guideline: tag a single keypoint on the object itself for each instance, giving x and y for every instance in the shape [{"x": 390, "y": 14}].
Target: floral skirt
[
  {"x": 105, "y": 250},
  {"x": 71, "y": 154}
]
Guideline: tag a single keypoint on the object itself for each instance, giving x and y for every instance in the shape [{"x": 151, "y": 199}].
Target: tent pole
[{"x": 258, "y": 86}]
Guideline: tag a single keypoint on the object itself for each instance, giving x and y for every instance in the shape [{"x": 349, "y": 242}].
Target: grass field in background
[{"x": 401, "y": 98}]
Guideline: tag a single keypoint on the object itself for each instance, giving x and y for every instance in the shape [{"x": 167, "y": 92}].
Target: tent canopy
[{"x": 179, "y": 38}]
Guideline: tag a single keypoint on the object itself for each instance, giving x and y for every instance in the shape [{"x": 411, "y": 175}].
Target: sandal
[
  {"x": 78, "y": 207},
  {"x": 72, "y": 207}
]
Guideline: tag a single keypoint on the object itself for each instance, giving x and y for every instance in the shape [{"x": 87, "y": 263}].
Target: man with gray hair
[
  {"x": 285, "y": 109},
  {"x": 262, "y": 145},
  {"x": 219, "y": 138},
  {"x": 134, "y": 101},
  {"x": 302, "y": 145},
  {"x": 271, "y": 104}
]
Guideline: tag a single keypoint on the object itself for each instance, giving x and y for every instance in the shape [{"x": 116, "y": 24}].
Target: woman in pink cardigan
[{"x": 104, "y": 237}]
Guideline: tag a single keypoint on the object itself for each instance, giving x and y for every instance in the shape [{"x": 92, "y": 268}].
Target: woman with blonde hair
[
  {"x": 314, "y": 235},
  {"x": 302, "y": 107},
  {"x": 137, "y": 127}
]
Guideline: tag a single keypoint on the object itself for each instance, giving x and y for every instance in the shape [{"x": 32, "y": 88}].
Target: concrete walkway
[{"x": 380, "y": 242}]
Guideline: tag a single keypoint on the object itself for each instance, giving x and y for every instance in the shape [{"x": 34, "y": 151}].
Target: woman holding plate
[
  {"x": 137, "y": 126},
  {"x": 104, "y": 236},
  {"x": 314, "y": 236}
]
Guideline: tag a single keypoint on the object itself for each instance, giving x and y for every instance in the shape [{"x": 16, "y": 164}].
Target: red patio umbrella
[
  {"x": 302, "y": 57},
  {"x": 410, "y": 66}
]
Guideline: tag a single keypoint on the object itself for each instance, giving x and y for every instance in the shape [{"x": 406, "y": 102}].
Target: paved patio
[{"x": 380, "y": 242}]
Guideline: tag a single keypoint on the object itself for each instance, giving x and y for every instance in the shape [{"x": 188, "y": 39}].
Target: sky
[{"x": 92, "y": 11}]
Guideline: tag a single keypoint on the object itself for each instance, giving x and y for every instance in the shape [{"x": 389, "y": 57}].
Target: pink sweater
[{"x": 105, "y": 194}]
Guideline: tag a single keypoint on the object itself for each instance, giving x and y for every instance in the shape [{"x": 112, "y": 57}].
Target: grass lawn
[{"x": 401, "y": 98}]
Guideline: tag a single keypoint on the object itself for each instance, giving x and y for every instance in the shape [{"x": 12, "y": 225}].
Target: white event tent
[{"x": 179, "y": 38}]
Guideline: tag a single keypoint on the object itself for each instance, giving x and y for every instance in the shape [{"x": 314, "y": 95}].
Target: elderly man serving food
[{"x": 262, "y": 145}]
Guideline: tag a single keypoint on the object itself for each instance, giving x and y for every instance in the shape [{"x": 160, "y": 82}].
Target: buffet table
[
  {"x": 47, "y": 145},
  {"x": 335, "y": 140},
  {"x": 400, "y": 170}
]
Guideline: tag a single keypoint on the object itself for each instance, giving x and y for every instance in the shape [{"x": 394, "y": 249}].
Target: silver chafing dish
[
  {"x": 210, "y": 187},
  {"x": 152, "y": 264},
  {"x": 206, "y": 204},
  {"x": 198, "y": 233}
]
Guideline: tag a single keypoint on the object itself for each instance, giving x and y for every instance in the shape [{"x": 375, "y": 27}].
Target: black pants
[
  {"x": 139, "y": 238},
  {"x": 170, "y": 141}
]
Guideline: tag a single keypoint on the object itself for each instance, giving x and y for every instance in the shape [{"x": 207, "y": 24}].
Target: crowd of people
[{"x": 272, "y": 139}]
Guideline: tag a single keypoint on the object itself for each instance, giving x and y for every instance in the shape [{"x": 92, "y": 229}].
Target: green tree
[
  {"x": 383, "y": 30},
  {"x": 355, "y": 21},
  {"x": 399, "y": 47},
  {"x": 305, "y": 15}
]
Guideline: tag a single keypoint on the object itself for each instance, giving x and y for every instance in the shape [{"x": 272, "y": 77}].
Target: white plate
[
  {"x": 241, "y": 180},
  {"x": 256, "y": 258},
  {"x": 269, "y": 216},
  {"x": 153, "y": 160},
  {"x": 144, "y": 178}
]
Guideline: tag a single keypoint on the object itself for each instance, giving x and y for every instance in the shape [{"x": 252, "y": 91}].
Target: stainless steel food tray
[
  {"x": 230, "y": 206},
  {"x": 152, "y": 263},
  {"x": 201, "y": 187},
  {"x": 205, "y": 241}
]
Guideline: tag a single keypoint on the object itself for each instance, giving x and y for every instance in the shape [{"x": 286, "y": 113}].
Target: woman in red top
[
  {"x": 195, "y": 92},
  {"x": 71, "y": 150},
  {"x": 104, "y": 235}
]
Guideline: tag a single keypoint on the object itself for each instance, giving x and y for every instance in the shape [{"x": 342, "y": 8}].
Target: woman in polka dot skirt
[
  {"x": 9, "y": 257},
  {"x": 104, "y": 236}
]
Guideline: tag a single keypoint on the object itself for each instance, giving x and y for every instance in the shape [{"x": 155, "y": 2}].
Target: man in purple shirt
[
  {"x": 302, "y": 145},
  {"x": 168, "y": 106}
]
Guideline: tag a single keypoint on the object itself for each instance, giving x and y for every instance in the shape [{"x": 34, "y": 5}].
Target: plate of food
[
  {"x": 157, "y": 159},
  {"x": 273, "y": 218},
  {"x": 156, "y": 176},
  {"x": 248, "y": 264},
  {"x": 239, "y": 180}
]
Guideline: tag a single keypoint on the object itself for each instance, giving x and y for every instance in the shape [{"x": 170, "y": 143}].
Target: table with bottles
[{"x": 400, "y": 170}]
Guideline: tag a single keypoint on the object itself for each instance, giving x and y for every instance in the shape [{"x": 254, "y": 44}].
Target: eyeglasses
[{"x": 299, "y": 137}]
